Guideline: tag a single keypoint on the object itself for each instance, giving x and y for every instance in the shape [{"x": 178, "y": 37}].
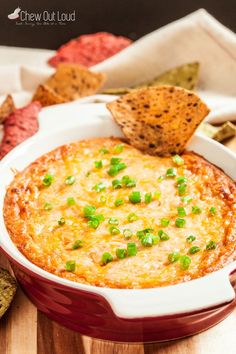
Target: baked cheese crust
[{"x": 66, "y": 214}]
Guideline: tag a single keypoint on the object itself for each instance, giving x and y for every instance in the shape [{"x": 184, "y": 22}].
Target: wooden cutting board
[{"x": 24, "y": 330}]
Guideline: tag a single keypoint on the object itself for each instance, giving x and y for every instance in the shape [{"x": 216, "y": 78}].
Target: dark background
[{"x": 132, "y": 18}]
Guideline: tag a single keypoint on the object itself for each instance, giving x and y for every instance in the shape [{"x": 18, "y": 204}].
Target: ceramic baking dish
[{"x": 156, "y": 314}]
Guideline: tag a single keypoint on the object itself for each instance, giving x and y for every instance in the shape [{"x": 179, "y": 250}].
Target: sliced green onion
[
  {"x": 127, "y": 233},
  {"x": 196, "y": 210},
  {"x": 71, "y": 201},
  {"x": 182, "y": 188},
  {"x": 132, "y": 217},
  {"x": 116, "y": 183},
  {"x": 187, "y": 199},
  {"x": 125, "y": 179},
  {"x": 95, "y": 220},
  {"x": 140, "y": 234},
  {"x": 121, "y": 253},
  {"x": 180, "y": 222},
  {"x": 106, "y": 258},
  {"x": 185, "y": 262},
  {"x": 113, "y": 221},
  {"x": 128, "y": 182},
  {"x": 181, "y": 211},
  {"x": 148, "y": 198},
  {"x": 178, "y": 160},
  {"x": 114, "y": 230},
  {"x": 164, "y": 222},
  {"x": 94, "y": 223},
  {"x": 119, "y": 202},
  {"x": 173, "y": 257},
  {"x": 77, "y": 244},
  {"x": 182, "y": 179},
  {"x": 171, "y": 172},
  {"x": 104, "y": 151},
  {"x": 98, "y": 164},
  {"x": 70, "y": 180},
  {"x": 194, "y": 249},
  {"x": 115, "y": 160},
  {"x": 115, "y": 169},
  {"x": 190, "y": 239},
  {"x": 99, "y": 187},
  {"x": 212, "y": 211},
  {"x": 135, "y": 197},
  {"x": 47, "y": 180},
  {"x": 48, "y": 206},
  {"x": 156, "y": 239},
  {"x": 70, "y": 266},
  {"x": 212, "y": 245},
  {"x": 61, "y": 222},
  {"x": 132, "y": 249},
  {"x": 147, "y": 240},
  {"x": 89, "y": 210},
  {"x": 118, "y": 148},
  {"x": 163, "y": 235},
  {"x": 131, "y": 183}
]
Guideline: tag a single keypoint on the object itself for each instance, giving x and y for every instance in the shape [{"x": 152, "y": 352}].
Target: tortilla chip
[
  {"x": 226, "y": 131},
  {"x": 47, "y": 96},
  {"x": 219, "y": 133},
  {"x": 185, "y": 76},
  {"x": 7, "y": 290},
  {"x": 6, "y": 108},
  {"x": 159, "y": 120},
  {"x": 89, "y": 49},
  {"x": 117, "y": 91},
  {"x": 73, "y": 81},
  {"x": 19, "y": 126}
]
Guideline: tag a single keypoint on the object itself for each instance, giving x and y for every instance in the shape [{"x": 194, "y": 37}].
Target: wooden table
[{"x": 24, "y": 330}]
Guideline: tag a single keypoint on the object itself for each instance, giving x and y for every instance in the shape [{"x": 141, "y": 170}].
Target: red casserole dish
[{"x": 127, "y": 315}]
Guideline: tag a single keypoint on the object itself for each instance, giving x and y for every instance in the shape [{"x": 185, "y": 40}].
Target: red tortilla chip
[
  {"x": 19, "y": 125},
  {"x": 89, "y": 49}
]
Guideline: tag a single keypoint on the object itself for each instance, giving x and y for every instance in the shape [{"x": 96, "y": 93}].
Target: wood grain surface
[{"x": 24, "y": 330}]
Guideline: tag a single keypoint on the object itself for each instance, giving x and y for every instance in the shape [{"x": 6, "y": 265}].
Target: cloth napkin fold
[{"x": 198, "y": 36}]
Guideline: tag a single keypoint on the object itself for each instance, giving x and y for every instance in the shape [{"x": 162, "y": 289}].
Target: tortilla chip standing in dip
[{"x": 159, "y": 120}]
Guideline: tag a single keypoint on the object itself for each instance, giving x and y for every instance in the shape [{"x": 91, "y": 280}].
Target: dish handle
[{"x": 213, "y": 290}]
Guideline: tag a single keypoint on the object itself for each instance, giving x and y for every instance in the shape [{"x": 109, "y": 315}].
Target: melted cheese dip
[{"x": 100, "y": 212}]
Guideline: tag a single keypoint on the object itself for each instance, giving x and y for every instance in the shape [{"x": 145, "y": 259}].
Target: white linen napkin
[{"x": 198, "y": 36}]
